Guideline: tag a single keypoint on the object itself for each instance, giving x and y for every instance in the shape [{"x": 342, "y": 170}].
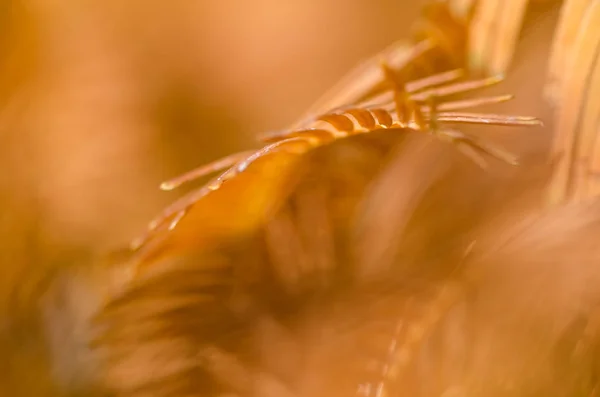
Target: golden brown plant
[
  {"x": 394, "y": 101},
  {"x": 358, "y": 253},
  {"x": 379, "y": 264},
  {"x": 574, "y": 87},
  {"x": 320, "y": 266}
]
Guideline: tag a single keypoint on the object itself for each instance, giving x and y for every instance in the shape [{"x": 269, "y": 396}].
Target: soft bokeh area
[{"x": 102, "y": 100}]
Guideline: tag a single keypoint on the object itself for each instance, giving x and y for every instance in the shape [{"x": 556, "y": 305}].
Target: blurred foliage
[{"x": 102, "y": 100}]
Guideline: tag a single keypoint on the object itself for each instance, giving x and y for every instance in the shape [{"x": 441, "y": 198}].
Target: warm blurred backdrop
[
  {"x": 113, "y": 97},
  {"x": 100, "y": 101}
]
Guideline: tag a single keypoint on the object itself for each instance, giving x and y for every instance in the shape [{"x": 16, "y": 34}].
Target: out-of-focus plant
[{"x": 377, "y": 264}]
